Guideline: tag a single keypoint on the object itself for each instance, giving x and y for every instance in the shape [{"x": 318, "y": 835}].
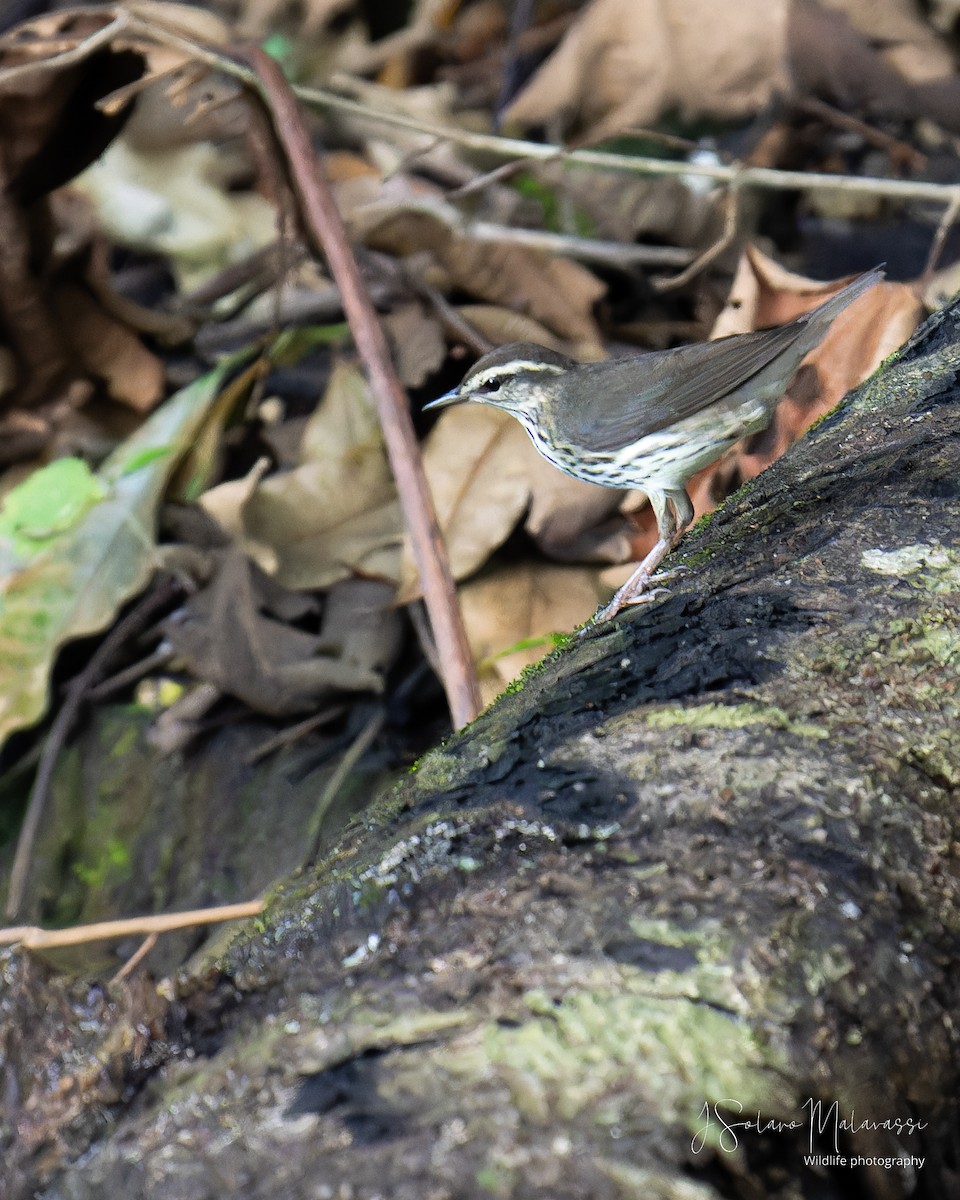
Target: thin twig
[
  {"x": 261, "y": 269},
  {"x": 455, "y": 324},
  {"x": 32, "y": 937},
  {"x": 702, "y": 261},
  {"x": 767, "y": 178},
  {"x": 501, "y": 174},
  {"x": 325, "y": 227},
  {"x": 293, "y": 733},
  {"x": 82, "y": 50},
  {"x": 132, "y": 674},
  {"x": 947, "y": 221},
  {"x": 131, "y": 624},
  {"x": 894, "y": 147},
  {"x": 136, "y": 958},
  {"x": 613, "y": 254}
]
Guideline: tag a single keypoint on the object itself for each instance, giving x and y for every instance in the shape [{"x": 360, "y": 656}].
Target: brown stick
[
  {"x": 32, "y": 937},
  {"x": 325, "y": 228}
]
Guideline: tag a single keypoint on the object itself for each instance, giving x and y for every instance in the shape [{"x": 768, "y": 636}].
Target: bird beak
[{"x": 448, "y": 398}]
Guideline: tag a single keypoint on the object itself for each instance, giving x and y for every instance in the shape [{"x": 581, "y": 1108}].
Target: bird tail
[{"x": 819, "y": 319}]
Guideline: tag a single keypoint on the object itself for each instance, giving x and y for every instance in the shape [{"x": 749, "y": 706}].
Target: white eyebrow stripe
[{"x": 508, "y": 370}]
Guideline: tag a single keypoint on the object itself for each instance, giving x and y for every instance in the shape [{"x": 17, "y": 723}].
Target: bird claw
[
  {"x": 620, "y": 602},
  {"x": 667, "y": 576},
  {"x": 646, "y": 597}
]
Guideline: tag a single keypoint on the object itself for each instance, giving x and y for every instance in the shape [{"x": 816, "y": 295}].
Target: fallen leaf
[
  {"x": 552, "y": 290},
  {"x": 176, "y": 202},
  {"x": 555, "y": 291},
  {"x": 902, "y": 32},
  {"x": 501, "y": 325},
  {"x": 109, "y": 350},
  {"x": 525, "y": 602},
  {"x": 227, "y": 636},
  {"x": 336, "y": 513},
  {"x": 417, "y": 342},
  {"x": 484, "y": 475},
  {"x": 91, "y": 560},
  {"x": 626, "y": 62},
  {"x": 862, "y": 336},
  {"x": 477, "y": 461}
]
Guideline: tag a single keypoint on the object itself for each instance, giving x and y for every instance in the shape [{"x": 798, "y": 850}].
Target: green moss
[
  {"x": 724, "y": 716},
  {"x": 111, "y": 866},
  {"x": 575, "y": 1058},
  {"x": 934, "y": 567}
]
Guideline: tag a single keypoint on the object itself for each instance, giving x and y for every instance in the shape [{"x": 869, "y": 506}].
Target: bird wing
[{"x": 666, "y": 386}]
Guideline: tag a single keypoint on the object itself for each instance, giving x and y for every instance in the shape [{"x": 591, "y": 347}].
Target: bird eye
[{"x": 491, "y": 385}]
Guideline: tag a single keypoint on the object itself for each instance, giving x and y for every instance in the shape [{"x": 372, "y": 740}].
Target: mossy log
[{"x": 676, "y": 919}]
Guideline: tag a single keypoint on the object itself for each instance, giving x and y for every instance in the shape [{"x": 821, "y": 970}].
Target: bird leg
[
  {"x": 633, "y": 591},
  {"x": 674, "y": 512}
]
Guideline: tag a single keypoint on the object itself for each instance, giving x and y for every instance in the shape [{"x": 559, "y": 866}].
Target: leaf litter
[{"x": 168, "y": 235}]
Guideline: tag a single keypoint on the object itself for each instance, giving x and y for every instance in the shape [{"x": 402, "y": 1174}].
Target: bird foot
[
  {"x": 627, "y": 598},
  {"x": 668, "y": 576},
  {"x": 645, "y": 597}
]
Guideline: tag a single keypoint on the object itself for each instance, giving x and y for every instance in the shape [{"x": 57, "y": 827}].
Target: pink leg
[{"x": 631, "y": 591}]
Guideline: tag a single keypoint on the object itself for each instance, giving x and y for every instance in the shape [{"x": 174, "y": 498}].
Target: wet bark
[{"x": 700, "y": 869}]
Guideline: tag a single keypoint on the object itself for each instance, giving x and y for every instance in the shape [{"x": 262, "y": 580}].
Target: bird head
[{"x": 515, "y": 378}]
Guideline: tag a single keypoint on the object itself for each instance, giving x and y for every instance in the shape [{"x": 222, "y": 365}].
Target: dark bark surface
[{"x": 702, "y": 866}]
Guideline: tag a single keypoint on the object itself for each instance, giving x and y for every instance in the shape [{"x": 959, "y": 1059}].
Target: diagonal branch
[{"x": 324, "y": 226}]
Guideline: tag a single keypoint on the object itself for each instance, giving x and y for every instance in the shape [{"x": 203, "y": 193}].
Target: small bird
[{"x": 649, "y": 422}]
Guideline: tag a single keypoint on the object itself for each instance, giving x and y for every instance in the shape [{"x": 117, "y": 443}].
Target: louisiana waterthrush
[{"x": 653, "y": 421}]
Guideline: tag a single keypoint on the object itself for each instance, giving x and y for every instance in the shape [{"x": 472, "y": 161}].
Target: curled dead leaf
[
  {"x": 336, "y": 513},
  {"x": 763, "y": 294}
]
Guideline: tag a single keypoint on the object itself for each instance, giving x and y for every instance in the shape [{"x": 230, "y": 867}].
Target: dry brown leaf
[
  {"x": 508, "y": 605},
  {"x": 261, "y": 17},
  {"x": 569, "y": 518},
  {"x": 187, "y": 20},
  {"x": 484, "y": 474},
  {"x": 555, "y": 291},
  {"x": 392, "y": 150},
  {"x": 478, "y": 463},
  {"x": 908, "y": 42},
  {"x": 226, "y": 503},
  {"x": 362, "y": 626},
  {"x": 63, "y": 96},
  {"x": 626, "y": 62},
  {"x": 228, "y": 636},
  {"x": 502, "y": 325},
  {"x": 109, "y": 350},
  {"x": 417, "y": 342},
  {"x": 334, "y": 515},
  {"x": 630, "y": 208},
  {"x": 863, "y": 335},
  {"x": 177, "y": 202},
  {"x": 552, "y": 290},
  {"x": 944, "y": 13},
  {"x": 49, "y": 126}
]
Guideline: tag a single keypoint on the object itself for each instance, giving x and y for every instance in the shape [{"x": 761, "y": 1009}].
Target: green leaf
[
  {"x": 75, "y": 546},
  {"x": 48, "y": 503}
]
